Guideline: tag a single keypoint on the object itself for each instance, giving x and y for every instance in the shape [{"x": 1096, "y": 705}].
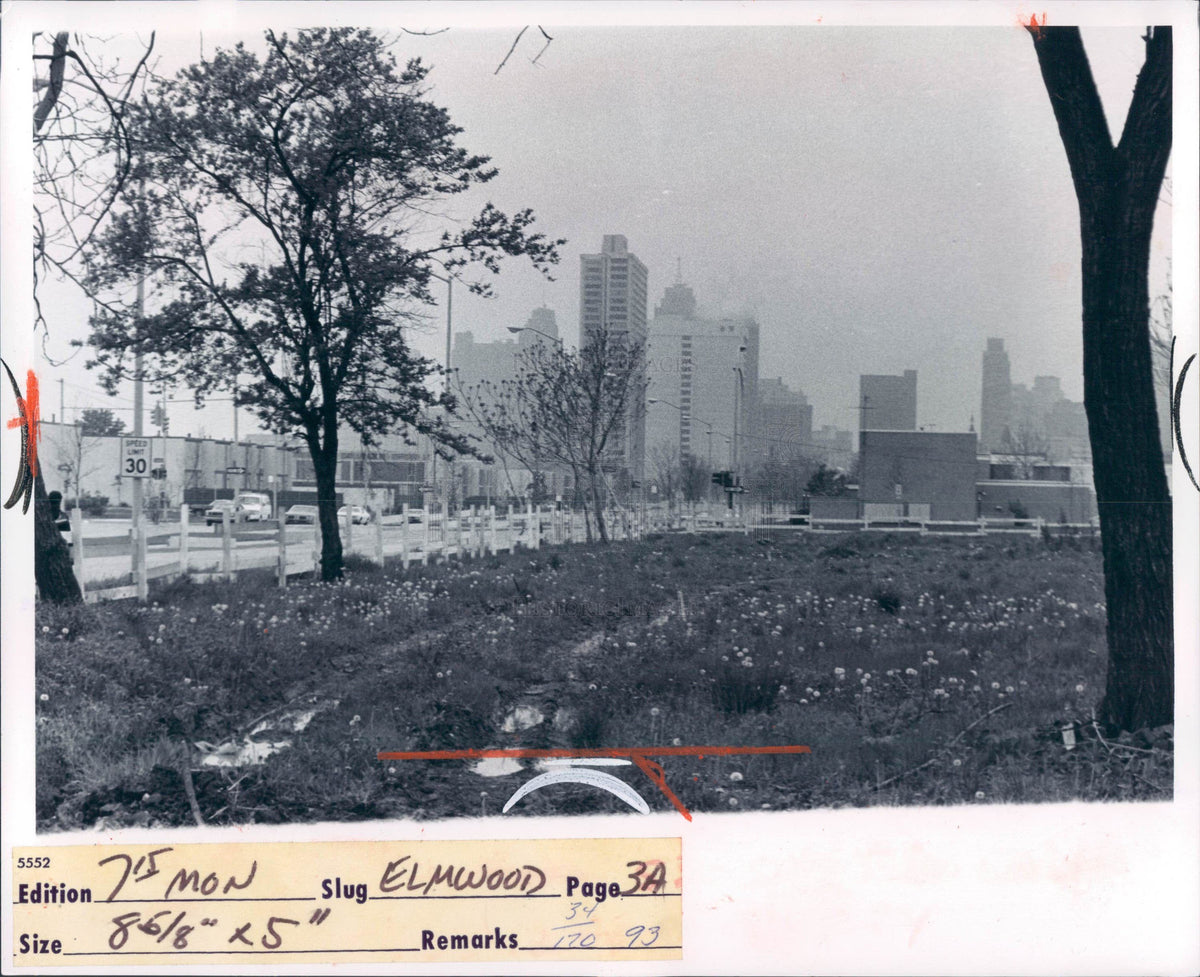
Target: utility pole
[
  {"x": 139, "y": 558},
  {"x": 62, "y": 400}
]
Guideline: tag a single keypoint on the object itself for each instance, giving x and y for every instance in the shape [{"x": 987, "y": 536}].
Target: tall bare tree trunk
[{"x": 1117, "y": 188}]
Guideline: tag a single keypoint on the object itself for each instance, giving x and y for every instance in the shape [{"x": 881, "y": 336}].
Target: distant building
[
  {"x": 995, "y": 409},
  {"x": 888, "y": 403},
  {"x": 613, "y": 300},
  {"x": 493, "y": 363},
  {"x": 1029, "y": 421},
  {"x": 475, "y": 363},
  {"x": 783, "y": 428},
  {"x": 693, "y": 365},
  {"x": 918, "y": 474},
  {"x": 832, "y": 447},
  {"x": 76, "y": 463}
]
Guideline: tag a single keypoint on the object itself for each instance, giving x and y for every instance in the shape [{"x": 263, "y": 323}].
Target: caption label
[{"x": 613, "y": 899}]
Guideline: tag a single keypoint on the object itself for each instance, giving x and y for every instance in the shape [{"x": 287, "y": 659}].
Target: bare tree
[
  {"x": 694, "y": 476},
  {"x": 1117, "y": 187},
  {"x": 83, "y": 146},
  {"x": 1024, "y": 449},
  {"x": 664, "y": 463},
  {"x": 565, "y": 406}
]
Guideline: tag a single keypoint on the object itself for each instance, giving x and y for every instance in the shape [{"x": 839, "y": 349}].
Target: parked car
[
  {"x": 214, "y": 515},
  {"x": 303, "y": 515},
  {"x": 359, "y": 515},
  {"x": 253, "y": 506}
]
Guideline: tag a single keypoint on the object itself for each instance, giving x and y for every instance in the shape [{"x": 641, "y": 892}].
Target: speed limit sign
[{"x": 135, "y": 457}]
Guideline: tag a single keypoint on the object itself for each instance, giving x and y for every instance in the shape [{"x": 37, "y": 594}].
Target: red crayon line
[
  {"x": 29, "y": 419},
  {"x": 631, "y": 752},
  {"x": 638, "y": 754}
]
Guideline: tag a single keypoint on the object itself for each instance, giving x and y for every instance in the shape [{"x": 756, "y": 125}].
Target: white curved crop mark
[{"x": 592, "y": 778}]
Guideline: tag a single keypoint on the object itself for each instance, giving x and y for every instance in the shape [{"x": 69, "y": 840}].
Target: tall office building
[
  {"x": 539, "y": 327},
  {"x": 888, "y": 403},
  {"x": 703, "y": 377},
  {"x": 995, "y": 409},
  {"x": 784, "y": 425},
  {"x": 612, "y": 300}
]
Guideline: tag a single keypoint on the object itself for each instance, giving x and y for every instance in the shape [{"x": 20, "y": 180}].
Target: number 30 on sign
[{"x": 135, "y": 457}]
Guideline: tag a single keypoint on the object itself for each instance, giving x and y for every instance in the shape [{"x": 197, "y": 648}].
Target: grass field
[{"x": 920, "y": 670}]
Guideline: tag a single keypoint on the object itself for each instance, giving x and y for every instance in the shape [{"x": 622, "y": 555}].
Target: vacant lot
[{"x": 919, "y": 671}]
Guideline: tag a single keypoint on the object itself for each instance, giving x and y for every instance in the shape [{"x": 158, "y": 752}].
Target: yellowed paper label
[{"x": 427, "y": 901}]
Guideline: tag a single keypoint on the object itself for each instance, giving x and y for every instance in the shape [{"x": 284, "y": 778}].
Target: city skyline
[{"x": 862, "y": 241}]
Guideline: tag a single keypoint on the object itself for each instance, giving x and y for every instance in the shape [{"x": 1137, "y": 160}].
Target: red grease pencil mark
[
  {"x": 1033, "y": 25},
  {"x": 639, "y": 755},
  {"x": 28, "y": 421}
]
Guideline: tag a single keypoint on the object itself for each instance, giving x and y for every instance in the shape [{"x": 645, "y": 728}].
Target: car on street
[
  {"x": 214, "y": 515},
  {"x": 253, "y": 506},
  {"x": 359, "y": 515},
  {"x": 302, "y": 515}
]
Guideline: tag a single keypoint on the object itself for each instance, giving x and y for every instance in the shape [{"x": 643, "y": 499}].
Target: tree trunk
[
  {"x": 1127, "y": 462},
  {"x": 52, "y": 566},
  {"x": 325, "y": 468},
  {"x": 1117, "y": 188},
  {"x": 598, "y": 505}
]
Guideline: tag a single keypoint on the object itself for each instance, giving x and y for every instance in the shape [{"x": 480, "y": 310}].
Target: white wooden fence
[
  {"x": 427, "y": 535},
  {"x": 414, "y": 536}
]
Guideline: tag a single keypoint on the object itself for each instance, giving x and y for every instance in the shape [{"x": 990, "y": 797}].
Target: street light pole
[{"x": 449, "y": 320}]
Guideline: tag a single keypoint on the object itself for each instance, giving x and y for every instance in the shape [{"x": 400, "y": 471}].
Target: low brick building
[{"x": 918, "y": 475}]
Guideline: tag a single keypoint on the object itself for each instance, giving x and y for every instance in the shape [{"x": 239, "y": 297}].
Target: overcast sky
[{"x": 880, "y": 198}]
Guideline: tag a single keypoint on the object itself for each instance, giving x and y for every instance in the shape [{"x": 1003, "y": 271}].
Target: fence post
[
  {"x": 185, "y": 520},
  {"x": 379, "y": 539},
  {"x": 492, "y": 530},
  {"x": 282, "y": 552},
  {"x": 140, "y": 580},
  {"x": 226, "y": 545},
  {"x": 404, "y": 535},
  {"x": 531, "y": 526},
  {"x": 425, "y": 534},
  {"x": 77, "y": 547},
  {"x": 349, "y": 547},
  {"x": 316, "y": 548}
]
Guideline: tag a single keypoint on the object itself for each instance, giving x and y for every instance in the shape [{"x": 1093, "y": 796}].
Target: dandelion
[
  {"x": 733, "y": 802},
  {"x": 45, "y": 697},
  {"x": 995, "y": 685},
  {"x": 736, "y": 777},
  {"x": 66, "y": 630},
  {"x": 979, "y": 795},
  {"x": 356, "y": 720},
  {"x": 45, "y": 629},
  {"x": 1079, "y": 688},
  {"x": 654, "y": 711},
  {"x": 677, "y": 741},
  {"x": 958, "y": 763},
  {"x": 1009, "y": 689},
  {"x": 391, "y": 769}
]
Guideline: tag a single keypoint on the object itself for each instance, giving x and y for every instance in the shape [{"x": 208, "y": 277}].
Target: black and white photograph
[{"x": 729, "y": 415}]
